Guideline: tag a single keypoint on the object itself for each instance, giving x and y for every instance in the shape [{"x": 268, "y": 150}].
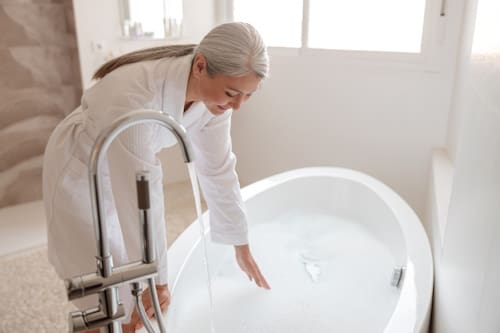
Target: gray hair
[{"x": 234, "y": 49}]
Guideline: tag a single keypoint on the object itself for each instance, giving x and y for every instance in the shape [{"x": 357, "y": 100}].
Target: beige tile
[
  {"x": 49, "y": 66},
  {"x": 13, "y": 33},
  {"x": 27, "y": 2},
  {"x": 22, "y": 104},
  {"x": 39, "y": 84},
  {"x": 25, "y": 187},
  {"x": 69, "y": 15},
  {"x": 12, "y": 74},
  {"x": 43, "y": 24},
  {"x": 31, "y": 145}
]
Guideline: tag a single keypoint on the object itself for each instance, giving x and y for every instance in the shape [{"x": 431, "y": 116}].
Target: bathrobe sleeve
[
  {"x": 134, "y": 150},
  {"x": 216, "y": 168}
]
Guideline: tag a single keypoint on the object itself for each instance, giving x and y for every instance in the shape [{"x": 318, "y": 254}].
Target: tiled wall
[{"x": 39, "y": 84}]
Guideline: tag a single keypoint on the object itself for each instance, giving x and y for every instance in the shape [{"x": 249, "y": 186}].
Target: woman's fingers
[
  {"x": 129, "y": 328},
  {"x": 249, "y": 266},
  {"x": 164, "y": 298},
  {"x": 258, "y": 277},
  {"x": 139, "y": 325},
  {"x": 164, "y": 305},
  {"x": 135, "y": 323}
]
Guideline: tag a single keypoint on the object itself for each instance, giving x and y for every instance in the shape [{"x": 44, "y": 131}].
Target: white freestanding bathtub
[{"x": 330, "y": 242}]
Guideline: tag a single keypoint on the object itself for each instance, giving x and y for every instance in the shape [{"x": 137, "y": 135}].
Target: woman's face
[{"x": 221, "y": 92}]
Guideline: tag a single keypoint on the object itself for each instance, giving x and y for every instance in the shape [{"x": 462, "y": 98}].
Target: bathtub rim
[{"x": 416, "y": 240}]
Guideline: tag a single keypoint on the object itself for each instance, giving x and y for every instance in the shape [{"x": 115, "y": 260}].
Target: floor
[{"x": 35, "y": 296}]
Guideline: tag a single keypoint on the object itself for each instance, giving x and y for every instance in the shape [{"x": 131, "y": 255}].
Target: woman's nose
[{"x": 236, "y": 102}]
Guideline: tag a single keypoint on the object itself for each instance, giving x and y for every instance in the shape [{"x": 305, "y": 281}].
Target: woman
[{"x": 199, "y": 86}]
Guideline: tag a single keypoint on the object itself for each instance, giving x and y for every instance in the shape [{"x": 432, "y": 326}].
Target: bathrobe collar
[{"x": 175, "y": 86}]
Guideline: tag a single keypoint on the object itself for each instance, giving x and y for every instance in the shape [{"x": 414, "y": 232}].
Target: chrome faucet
[{"x": 107, "y": 279}]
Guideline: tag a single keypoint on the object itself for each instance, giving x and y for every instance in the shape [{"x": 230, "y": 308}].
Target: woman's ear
[{"x": 199, "y": 65}]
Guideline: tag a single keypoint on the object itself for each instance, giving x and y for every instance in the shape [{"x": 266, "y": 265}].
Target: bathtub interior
[
  {"x": 327, "y": 246},
  {"x": 344, "y": 198}
]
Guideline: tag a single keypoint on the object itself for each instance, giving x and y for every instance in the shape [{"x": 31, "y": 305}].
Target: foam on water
[
  {"x": 311, "y": 266},
  {"x": 326, "y": 275}
]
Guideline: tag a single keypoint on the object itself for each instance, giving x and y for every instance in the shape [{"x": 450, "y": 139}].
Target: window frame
[{"x": 428, "y": 58}]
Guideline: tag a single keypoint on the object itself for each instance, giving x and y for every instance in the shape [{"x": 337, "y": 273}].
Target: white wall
[
  {"x": 457, "y": 103},
  {"x": 467, "y": 291},
  {"x": 343, "y": 109}
]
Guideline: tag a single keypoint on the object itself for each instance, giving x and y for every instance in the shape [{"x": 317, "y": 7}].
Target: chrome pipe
[
  {"x": 80, "y": 321},
  {"x": 137, "y": 293},
  {"x": 94, "y": 283},
  {"x": 156, "y": 305}
]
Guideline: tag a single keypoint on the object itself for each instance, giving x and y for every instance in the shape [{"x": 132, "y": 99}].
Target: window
[
  {"x": 277, "y": 30},
  {"x": 485, "y": 40},
  {"x": 368, "y": 25}
]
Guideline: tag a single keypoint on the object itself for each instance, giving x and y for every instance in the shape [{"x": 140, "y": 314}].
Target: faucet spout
[
  {"x": 98, "y": 153},
  {"x": 107, "y": 280}
]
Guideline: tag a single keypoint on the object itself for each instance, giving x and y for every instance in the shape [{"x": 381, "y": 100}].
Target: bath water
[
  {"x": 197, "y": 200},
  {"x": 325, "y": 274}
]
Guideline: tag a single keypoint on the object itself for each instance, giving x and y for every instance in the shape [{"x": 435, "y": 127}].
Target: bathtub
[{"x": 330, "y": 242}]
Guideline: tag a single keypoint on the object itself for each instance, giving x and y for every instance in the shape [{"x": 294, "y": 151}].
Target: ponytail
[{"x": 144, "y": 55}]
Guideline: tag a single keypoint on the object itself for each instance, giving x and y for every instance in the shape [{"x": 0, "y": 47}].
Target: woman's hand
[
  {"x": 249, "y": 266},
  {"x": 136, "y": 322}
]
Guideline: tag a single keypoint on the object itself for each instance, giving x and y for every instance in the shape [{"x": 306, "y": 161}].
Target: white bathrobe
[{"x": 157, "y": 85}]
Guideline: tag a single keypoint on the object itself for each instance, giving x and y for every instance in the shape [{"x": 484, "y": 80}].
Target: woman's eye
[{"x": 228, "y": 94}]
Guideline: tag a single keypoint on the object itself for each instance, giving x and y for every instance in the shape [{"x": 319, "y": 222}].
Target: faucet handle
[
  {"x": 146, "y": 225},
  {"x": 142, "y": 183},
  {"x": 79, "y": 321},
  {"x": 76, "y": 322}
]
